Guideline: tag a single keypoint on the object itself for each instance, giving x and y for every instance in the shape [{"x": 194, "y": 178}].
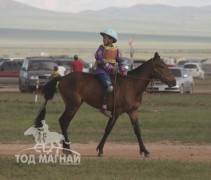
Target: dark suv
[{"x": 35, "y": 69}]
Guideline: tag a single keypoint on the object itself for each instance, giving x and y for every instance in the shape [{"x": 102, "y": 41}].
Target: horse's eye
[{"x": 160, "y": 66}]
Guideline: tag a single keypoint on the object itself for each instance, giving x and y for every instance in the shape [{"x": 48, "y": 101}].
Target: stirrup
[{"x": 105, "y": 112}]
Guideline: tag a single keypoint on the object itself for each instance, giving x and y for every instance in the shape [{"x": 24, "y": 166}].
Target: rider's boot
[{"x": 103, "y": 109}]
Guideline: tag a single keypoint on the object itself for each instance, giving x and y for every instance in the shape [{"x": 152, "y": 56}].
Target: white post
[{"x": 37, "y": 90}]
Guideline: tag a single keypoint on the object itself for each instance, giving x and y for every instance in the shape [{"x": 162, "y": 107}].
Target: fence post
[{"x": 36, "y": 91}]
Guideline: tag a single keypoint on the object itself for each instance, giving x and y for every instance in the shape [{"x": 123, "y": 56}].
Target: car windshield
[
  {"x": 42, "y": 65},
  {"x": 1, "y": 63},
  {"x": 190, "y": 66},
  {"x": 176, "y": 72}
]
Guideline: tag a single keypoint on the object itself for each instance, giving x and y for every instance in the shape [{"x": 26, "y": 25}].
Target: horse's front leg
[
  {"x": 134, "y": 120},
  {"x": 108, "y": 129}
]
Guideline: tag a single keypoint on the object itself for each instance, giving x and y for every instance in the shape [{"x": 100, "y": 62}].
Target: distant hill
[{"x": 139, "y": 19}]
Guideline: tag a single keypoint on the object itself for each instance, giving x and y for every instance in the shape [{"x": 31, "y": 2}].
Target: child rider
[{"x": 106, "y": 57}]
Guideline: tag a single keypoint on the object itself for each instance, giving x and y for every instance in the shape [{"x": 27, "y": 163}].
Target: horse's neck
[
  {"x": 141, "y": 76},
  {"x": 142, "y": 72}
]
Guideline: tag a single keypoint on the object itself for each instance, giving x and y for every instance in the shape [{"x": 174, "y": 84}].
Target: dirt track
[{"x": 164, "y": 151}]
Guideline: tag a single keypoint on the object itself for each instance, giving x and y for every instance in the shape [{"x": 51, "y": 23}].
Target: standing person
[
  {"x": 106, "y": 57},
  {"x": 55, "y": 72},
  {"x": 61, "y": 69},
  {"x": 77, "y": 64}
]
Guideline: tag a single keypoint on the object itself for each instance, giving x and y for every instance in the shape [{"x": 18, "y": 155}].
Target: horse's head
[
  {"x": 161, "y": 71},
  {"x": 31, "y": 131}
]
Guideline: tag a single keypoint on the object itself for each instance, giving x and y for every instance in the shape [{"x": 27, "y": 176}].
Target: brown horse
[{"x": 78, "y": 87}]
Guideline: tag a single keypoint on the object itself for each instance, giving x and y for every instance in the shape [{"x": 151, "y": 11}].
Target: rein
[
  {"x": 135, "y": 77},
  {"x": 114, "y": 110},
  {"x": 138, "y": 78},
  {"x": 146, "y": 79}
]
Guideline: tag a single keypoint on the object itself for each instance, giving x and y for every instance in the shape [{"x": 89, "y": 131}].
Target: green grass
[
  {"x": 107, "y": 168},
  {"x": 162, "y": 117}
]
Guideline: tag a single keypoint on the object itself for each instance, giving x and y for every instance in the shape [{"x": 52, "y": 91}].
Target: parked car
[
  {"x": 34, "y": 69},
  {"x": 66, "y": 62},
  {"x": 184, "y": 82},
  {"x": 10, "y": 68},
  {"x": 206, "y": 66},
  {"x": 195, "y": 70},
  {"x": 3, "y": 59},
  {"x": 181, "y": 63}
]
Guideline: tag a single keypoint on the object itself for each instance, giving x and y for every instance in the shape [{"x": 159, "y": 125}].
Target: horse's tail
[{"x": 48, "y": 91}]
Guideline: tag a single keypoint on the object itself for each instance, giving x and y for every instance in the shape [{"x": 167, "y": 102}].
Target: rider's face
[{"x": 107, "y": 40}]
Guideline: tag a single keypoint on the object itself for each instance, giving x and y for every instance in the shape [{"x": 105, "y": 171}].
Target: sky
[{"x": 75, "y": 6}]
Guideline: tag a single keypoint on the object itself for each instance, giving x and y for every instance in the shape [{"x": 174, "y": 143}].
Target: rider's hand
[
  {"x": 124, "y": 73},
  {"x": 114, "y": 69}
]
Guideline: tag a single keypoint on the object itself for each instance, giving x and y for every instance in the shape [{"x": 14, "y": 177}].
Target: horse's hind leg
[{"x": 65, "y": 120}]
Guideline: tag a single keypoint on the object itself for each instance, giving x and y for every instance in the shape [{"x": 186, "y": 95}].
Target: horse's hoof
[
  {"x": 100, "y": 154},
  {"x": 146, "y": 155},
  {"x": 67, "y": 152}
]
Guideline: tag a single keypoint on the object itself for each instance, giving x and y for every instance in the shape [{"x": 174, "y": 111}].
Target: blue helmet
[{"x": 111, "y": 33}]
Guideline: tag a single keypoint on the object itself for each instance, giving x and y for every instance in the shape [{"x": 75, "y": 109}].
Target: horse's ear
[{"x": 156, "y": 56}]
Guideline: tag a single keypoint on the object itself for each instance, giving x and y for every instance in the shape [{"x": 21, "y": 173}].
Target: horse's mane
[{"x": 139, "y": 68}]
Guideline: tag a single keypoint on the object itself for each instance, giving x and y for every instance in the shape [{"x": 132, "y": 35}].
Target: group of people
[
  {"x": 107, "y": 55},
  {"x": 76, "y": 65}
]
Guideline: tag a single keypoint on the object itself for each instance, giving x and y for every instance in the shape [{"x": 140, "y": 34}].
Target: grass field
[
  {"x": 163, "y": 117},
  {"x": 107, "y": 168},
  {"x": 171, "y": 117}
]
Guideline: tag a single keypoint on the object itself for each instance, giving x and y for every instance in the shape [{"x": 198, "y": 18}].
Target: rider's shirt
[
  {"x": 106, "y": 57},
  {"x": 109, "y": 54}
]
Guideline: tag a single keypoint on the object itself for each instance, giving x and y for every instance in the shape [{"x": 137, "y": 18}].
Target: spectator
[
  {"x": 61, "y": 69},
  {"x": 55, "y": 72},
  {"x": 77, "y": 65}
]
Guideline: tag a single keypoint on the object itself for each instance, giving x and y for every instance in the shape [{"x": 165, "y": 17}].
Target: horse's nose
[{"x": 173, "y": 83}]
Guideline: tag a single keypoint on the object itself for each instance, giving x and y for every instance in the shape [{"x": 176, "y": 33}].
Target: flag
[{"x": 131, "y": 41}]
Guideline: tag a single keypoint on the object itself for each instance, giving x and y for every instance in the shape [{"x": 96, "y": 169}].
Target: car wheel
[
  {"x": 181, "y": 89},
  {"x": 21, "y": 88},
  {"x": 191, "y": 89}
]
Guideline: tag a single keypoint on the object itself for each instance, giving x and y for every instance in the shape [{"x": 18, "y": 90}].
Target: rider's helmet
[{"x": 111, "y": 33}]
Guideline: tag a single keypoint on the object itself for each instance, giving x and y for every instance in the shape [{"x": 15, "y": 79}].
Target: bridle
[
  {"x": 135, "y": 77},
  {"x": 163, "y": 76},
  {"x": 155, "y": 69}
]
